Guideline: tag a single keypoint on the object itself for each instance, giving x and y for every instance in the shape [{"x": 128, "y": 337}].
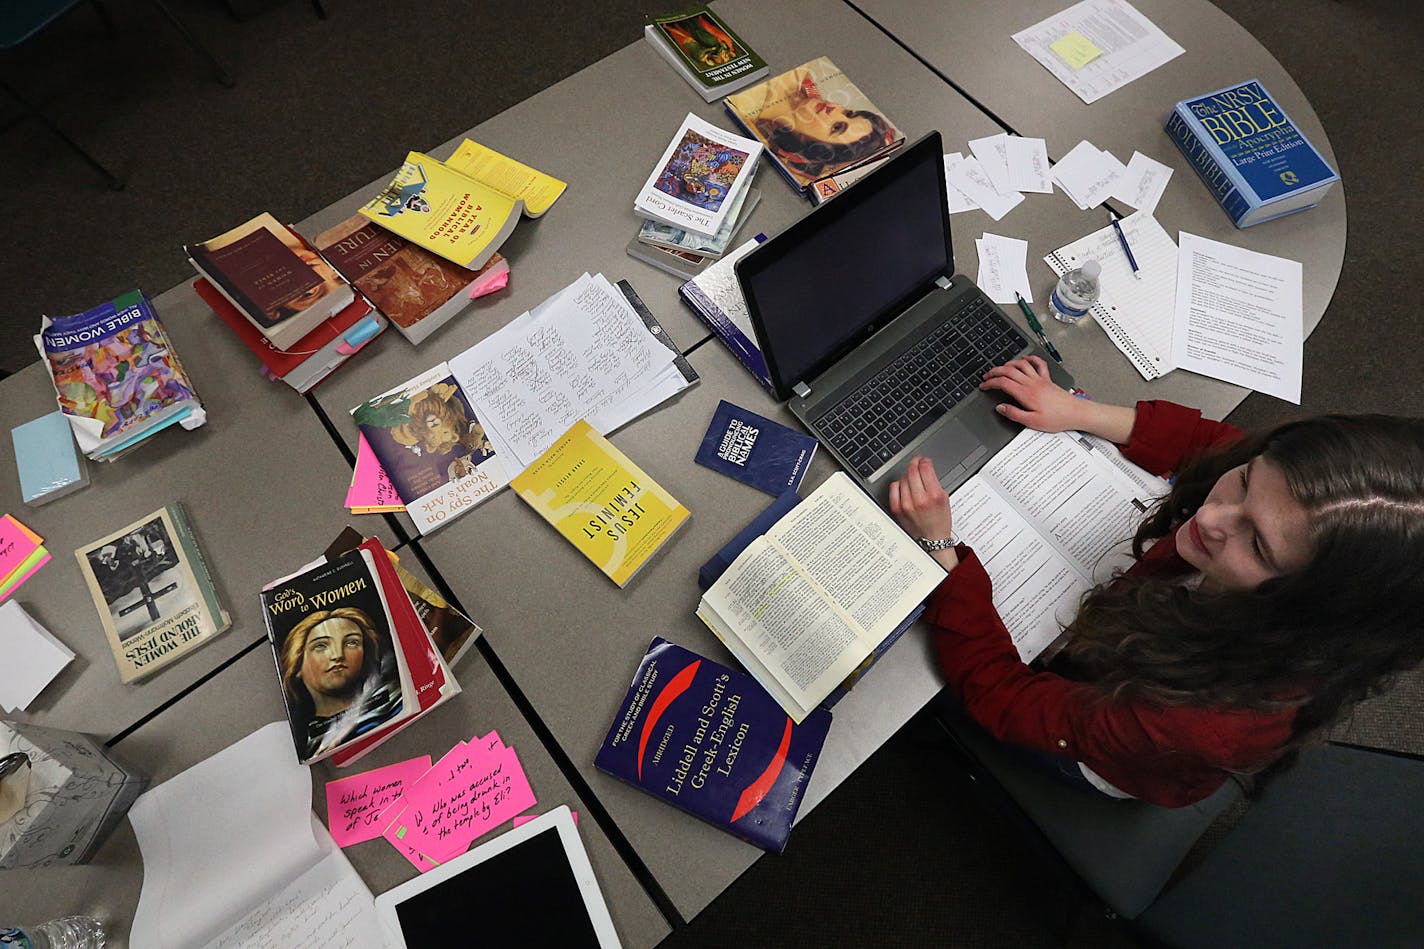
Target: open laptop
[{"x": 874, "y": 340}]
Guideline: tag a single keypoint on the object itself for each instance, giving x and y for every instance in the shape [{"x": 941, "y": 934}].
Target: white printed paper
[
  {"x": 1003, "y": 268},
  {"x": 969, "y": 177},
  {"x": 1131, "y": 46},
  {"x": 1238, "y": 316},
  {"x": 1142, "y": 184},
  {"x": 1028, "y": 164}
]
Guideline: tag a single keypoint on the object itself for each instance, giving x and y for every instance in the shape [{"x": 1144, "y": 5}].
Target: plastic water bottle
[
  {"x": 1076, "y": 293},
  {"x": 71, "y": 932}
]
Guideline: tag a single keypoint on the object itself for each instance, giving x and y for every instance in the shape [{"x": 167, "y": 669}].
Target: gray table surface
[
  {"x": 973, "y": 47},
  {"x": 263, "y": 484},
  {"x": 245, "y": 696}
]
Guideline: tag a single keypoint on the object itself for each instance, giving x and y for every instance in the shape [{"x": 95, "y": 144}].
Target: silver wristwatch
[{"x": 942, "y": 543}]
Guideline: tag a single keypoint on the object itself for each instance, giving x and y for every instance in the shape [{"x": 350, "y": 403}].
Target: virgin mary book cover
[{"x": 713, "y": 742}]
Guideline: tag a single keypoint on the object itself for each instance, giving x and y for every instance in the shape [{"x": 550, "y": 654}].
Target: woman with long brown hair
[{"x": 1280, "y": 581}]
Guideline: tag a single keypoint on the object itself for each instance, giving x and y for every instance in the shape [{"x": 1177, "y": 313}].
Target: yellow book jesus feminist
[
  {"x": 444, "y": 211},
  {"x": 601, "y": 502}
]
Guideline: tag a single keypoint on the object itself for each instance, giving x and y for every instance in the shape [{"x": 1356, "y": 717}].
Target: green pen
[{"x": 1034, "y": 325}]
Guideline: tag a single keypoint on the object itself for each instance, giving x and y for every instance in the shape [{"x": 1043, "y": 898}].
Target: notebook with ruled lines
[{"x": 1135, "y": 313}]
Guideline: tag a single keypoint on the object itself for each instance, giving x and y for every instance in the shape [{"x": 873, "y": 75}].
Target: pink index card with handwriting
[
  {"x": 370, "y": 485},
  {"x": 471, "y": 794},
  {"x": 354, "y": 804}
]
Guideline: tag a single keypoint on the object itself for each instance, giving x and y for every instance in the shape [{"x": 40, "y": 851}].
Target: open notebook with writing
[{"x": 1135, "y": 313}]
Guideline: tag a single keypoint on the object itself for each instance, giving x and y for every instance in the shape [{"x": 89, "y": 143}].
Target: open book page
[
  {"x": 853, "y": 550},
  {"x": 783, "y": 627},
  {"x": 1049, "y": 516}
]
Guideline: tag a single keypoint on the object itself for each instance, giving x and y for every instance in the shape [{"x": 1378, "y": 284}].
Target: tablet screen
[{"x": 526, "y": 895}]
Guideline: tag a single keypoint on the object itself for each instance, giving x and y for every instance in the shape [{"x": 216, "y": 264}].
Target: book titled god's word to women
[
  {"x": 1249, "y": 154},
  {"x": 711, "y": 741}
]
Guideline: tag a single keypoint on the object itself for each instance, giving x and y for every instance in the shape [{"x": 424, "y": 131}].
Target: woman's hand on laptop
[
  {"x": 1044, "y": 406},
  {"x": 921, "y": 506}
]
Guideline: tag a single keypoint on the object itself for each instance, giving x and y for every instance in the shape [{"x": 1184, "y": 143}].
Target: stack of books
[
  {"x": 116, "y": 376},
  {"x": 356, "y": 662},
  {"x": 696, "y": 199},
  {"x": 816, "y": 126},
  {"x": 704, "y": 51},
  {"x": 288, "y": 306}
]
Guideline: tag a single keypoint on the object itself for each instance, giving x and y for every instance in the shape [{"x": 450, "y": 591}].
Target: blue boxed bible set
[{"x": 1249, "y": 154}]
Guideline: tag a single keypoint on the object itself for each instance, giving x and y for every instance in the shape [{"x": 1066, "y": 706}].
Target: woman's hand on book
[
  {"x": 1042, "y": 405},
  {"x": 919, "y": 503}
]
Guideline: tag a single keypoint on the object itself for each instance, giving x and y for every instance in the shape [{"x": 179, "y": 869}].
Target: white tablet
[{"x": 536, "y": 876}]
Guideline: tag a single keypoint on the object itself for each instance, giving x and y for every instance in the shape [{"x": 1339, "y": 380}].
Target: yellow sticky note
[{"x": 1076, "y": 49}]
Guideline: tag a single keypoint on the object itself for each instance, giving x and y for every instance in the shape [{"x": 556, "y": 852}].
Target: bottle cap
[{"x": 1091, "y": 269}]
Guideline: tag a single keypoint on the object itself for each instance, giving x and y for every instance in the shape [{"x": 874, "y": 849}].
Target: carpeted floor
[{"x": 903, "y": 853}]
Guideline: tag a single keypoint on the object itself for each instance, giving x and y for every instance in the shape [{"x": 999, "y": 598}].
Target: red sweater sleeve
[
  {"x": 1165, "y": 754},
  {"x": 1166, "y": 435}
]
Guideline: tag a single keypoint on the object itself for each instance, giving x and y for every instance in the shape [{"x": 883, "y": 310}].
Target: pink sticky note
[
  {"x": 472, "y": 795},
  {"x": 17, "y": 542},
  {"x": 526, "y": 818},
  {"x": 485, "y": 287},
  {"x": 370, "y": 485},
  {"x": 14, "y": 584},
  {"x": 354, "y": 804},
  {"x": 407, "y": 849}
]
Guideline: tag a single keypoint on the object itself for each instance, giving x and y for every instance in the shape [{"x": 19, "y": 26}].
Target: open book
[
  {"x": 811, "y": 599},
  {"x": 1050, "y": 516}
]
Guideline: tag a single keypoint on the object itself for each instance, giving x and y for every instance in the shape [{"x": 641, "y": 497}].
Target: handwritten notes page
[
  {"x": 1109, "y": 44},
  {"x": 474, "y": 788},
  {"x": 1003, "y": 268},
  {"x": 1238, "y": 316},
  {"x": 328, "y": 906},
  {"x": 354, "y": 804},
  {"x": 584, "y": 353},
  {"x": 254, "y": 876}
]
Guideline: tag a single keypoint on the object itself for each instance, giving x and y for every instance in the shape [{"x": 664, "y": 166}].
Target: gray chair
[
  {"x": 1330, "y": 854},
  {"x": 1122, "y": 852}
]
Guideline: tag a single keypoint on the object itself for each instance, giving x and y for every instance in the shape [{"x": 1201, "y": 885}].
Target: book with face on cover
[
  {"x": 151, "y": 586},
  {"x": 274, "y": 278},
  {"x": 813, "y": 121},
  {"x": 601, "y": 502}
]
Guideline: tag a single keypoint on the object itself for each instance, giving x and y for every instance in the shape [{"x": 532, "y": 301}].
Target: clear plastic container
[
  {"x": 1076, "y": 293},
  {"x": 70, "y": 932}
]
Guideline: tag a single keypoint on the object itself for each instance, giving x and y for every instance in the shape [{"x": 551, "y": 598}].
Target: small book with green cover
[{"x": 704, "y": 50}]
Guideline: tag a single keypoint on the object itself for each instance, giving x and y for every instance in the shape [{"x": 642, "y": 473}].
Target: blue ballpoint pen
[
  {"x": 1037, "y": 328},
  {"x": 1122, "y": 239}
]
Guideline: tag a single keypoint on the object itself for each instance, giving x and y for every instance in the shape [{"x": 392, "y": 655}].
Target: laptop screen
[{"x": 832, "y": 279}]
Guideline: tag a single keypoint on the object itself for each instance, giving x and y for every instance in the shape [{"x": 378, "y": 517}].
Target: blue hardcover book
[
  {"x": 716, "y": 297},
  {"x": 49, "y": 463},
  {"x": 755, "y": 450},
  {"x": 1251, "y": 157},
  {"x": 759, "y": 525},
  {"x": 711, "y": 741}
]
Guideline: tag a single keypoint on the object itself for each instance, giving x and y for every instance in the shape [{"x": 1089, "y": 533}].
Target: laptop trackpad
[{"x": 955, "y": 451}]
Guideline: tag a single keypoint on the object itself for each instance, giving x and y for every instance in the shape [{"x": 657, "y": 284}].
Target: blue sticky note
[
  {"x": 755, "y": 450},
  {"x": 49, "y": 463}
]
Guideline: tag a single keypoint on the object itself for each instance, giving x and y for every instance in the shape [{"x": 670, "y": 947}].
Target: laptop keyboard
[{"x": 906, "y": 397}]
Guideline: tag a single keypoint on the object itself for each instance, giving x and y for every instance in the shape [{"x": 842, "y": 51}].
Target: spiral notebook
[{"x": 1135, "y": 313}]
